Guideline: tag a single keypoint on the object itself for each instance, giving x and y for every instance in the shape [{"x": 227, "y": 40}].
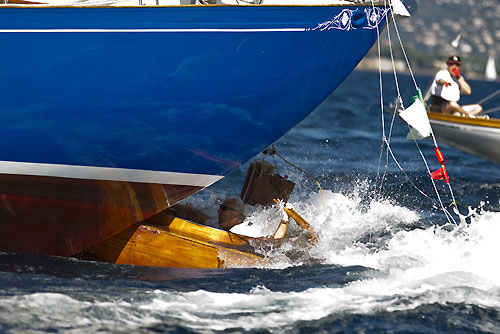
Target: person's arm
[
  {"x": 283, "y": 227},
  {"x": 442, "y": 82},
  {"x": 442, "y": 78},
  {"x": 464, "y": 86}
]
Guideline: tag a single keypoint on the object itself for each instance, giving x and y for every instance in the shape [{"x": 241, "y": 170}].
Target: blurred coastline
[{"x": 371, "y": 64}]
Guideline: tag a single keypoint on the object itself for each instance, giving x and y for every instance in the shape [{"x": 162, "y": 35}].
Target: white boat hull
[{"x": 478, "y": 137}]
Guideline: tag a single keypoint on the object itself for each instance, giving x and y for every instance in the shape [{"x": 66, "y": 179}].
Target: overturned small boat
[
  {"x": 167, "y": 241},
  {"x": 171, "y": 239}
]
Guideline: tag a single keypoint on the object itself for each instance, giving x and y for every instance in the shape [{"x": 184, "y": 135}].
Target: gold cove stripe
[{"x": 491, "y": 123}]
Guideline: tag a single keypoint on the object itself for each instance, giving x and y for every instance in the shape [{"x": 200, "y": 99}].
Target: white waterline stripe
[
  {"x": 146, "y": 30},
  {"x": 107, "y": 173}
]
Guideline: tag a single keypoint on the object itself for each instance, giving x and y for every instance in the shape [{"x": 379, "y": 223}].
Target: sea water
[{"x": 387, "y": 259}]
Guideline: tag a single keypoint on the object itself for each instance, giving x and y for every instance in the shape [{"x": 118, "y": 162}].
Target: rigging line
[
  {"x": 276, "y": 164},
  {"x": 400, "y": 100},
  {"x": 381, "y": 103},
  {"x": 392, "y": 61},
  {"x": 489, "y": 97},
  {"x": 406, "y": 175},
  {"x": 434, "y": 138},
  {"x": 447, "y": 214},
  {"x": 449, "y": 184},
  {"x": 396, "y": 82},
  {"x": 389, "y": 141},
  {"x": 381, "y": 92},
  {"x": 399, "y": 97},
  {"x": 270, "y": 151},
  {"x": 491, "y": 110},
  {"x": 384, "y": 138},
  {"x": 403, "y": 49},
  {"x": 380, "y": 80},
  {"x": 382, "y": 112},
  {"x": 303, "y": 171},
  {"x": 395, "y": 77},
  {"x": 454, "y": 202},
  {"x": 434, "y": 183},
  {"x": 416, "y": 86},
  {"x": 379, "y": 162},
  {"x": 432, "y": 180}
]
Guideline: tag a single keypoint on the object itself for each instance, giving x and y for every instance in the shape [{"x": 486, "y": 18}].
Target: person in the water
[{"x": 231, "y": 212}]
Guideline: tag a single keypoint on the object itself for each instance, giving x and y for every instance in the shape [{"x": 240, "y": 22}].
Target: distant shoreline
[{"x": 372, "y": 64}]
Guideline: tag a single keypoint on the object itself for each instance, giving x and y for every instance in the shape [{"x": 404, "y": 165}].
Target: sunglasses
[
  {"x": 225, "y": 208},
  {"x": 454, "y": 63}
]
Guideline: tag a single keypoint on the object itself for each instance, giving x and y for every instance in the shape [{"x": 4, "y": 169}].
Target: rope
[
  {"x": 388, "y": 144},
  {"x": 303, "y": 171},
  {"x": 447, "y": 214},
  {"x": 381, "y": 102},
  {"x": 400, "y": 100},
  {"x": 276, "y": 164},
  {"x": 403, "y": 50},
  {"x": 386, "y": 140},
  {"x": 432, "y": 133},
  {"x": 433, "y": 139},
  {"x": 491, "y": 110},
  {"x": 489, "y": 97}
]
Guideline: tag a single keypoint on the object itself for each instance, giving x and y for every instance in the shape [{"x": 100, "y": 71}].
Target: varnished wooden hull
[
  {"x": 62, "y": 216},
  {"x": 479, "y": 137},
  {"x": 172, "y": 242}
]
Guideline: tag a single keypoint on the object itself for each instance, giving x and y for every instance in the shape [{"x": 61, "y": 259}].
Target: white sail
[{"x": 491, "y": 71}]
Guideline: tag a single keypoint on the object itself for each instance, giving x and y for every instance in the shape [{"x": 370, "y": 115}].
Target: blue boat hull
[{"x": 172, "y": 98}]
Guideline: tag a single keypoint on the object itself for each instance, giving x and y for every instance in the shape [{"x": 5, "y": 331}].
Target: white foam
[
  {"x": 262, "y": 308},
  {"x": 60, "y": 310},
  {"x": 415, "y": 266},
  {"x": 415, "y": 263}
]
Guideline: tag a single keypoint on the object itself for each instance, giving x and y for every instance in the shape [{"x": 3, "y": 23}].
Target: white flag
[
  {"x": 414, "y": 135},
  {"x": 416, "y": 116}
]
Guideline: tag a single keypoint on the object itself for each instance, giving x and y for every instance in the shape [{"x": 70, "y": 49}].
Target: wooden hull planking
[
  {"x": 166, "y": 241},
  {"x": 63, "y": 216}
]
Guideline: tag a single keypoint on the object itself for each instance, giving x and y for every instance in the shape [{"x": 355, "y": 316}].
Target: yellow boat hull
[{"x": 167, "y": 241}]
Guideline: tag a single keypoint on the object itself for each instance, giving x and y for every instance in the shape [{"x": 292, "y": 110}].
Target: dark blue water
[{"x": 387, "y": 260}]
